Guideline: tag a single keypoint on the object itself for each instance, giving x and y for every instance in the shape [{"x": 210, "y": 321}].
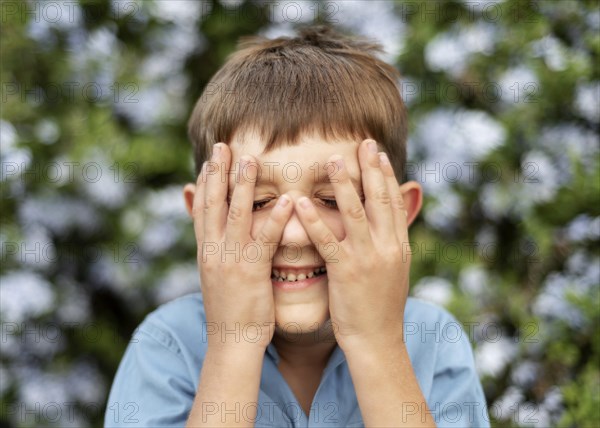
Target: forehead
[
  {"x": 310, "y": 147},
  {"x": 311, "y": 155}
]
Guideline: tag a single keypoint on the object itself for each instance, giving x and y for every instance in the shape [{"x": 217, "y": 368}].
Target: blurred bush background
[{"x": 504, "y": 103}]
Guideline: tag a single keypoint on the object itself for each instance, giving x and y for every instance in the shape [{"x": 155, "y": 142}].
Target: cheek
[{"x": 333, "y": 220}]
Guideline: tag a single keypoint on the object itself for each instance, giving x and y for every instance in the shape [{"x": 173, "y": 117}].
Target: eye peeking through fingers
[
  {"x": 326, "y": 202},
  {"x": 257, "y": 205},
  {"x": 329, "y": 203}
]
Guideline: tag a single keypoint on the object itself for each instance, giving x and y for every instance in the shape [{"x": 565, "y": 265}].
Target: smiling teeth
[{"x": 292, "y": 277}]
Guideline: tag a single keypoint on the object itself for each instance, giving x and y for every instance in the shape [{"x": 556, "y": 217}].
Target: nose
[{"x": 294, "y": 233}]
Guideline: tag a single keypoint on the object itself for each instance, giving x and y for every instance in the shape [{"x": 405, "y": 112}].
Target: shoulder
[
  {"x": 442, "y": 357},
  {"x": 178, "y": 310},
  {"x": 178, "y": 325},
  {"x": 421, "y": 311},
  {"x": 432, "y": 333},
  {"x": 159, "y": 372},
  {"x": 422, "y": 314}
]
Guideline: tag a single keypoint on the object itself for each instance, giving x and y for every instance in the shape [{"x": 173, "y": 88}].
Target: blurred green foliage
[{"x": 111, "y": 86}]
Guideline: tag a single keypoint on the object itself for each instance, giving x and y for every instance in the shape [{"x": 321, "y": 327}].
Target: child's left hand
[{"x": 368, "y": 275}]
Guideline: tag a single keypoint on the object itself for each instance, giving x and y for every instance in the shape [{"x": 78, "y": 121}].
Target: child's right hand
[{"x": 235, "y": 267}]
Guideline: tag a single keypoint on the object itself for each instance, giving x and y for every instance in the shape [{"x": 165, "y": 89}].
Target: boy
[{"x": 302, "y": 232}]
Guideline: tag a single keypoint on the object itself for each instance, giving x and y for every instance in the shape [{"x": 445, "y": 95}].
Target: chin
[{"x": 301, "y": 315}]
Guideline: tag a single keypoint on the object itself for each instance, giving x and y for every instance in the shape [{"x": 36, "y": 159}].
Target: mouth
[
  {"x": 297, "y": 274},
  {"x": 290, "y": 279}
]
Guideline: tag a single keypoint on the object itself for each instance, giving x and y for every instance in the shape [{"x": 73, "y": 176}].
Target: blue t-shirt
[{"x": 157, "y": 379}]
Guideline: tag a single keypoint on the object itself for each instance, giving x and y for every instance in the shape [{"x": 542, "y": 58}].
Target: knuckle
[
  {"x": 207, "y": 267},
  {"x": 383, "y": 197},
  {"x": 356, "y": 212},
  {"x": 235, "y": 213},
  {"x": 210, "y": 201},
  {"x": 398, "y": 202}
]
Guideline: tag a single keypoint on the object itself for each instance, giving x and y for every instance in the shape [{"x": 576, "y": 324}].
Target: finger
[
  {"x": 399, "y": 212},
  {"x": 198, "y": 205},
  {"x": 317, "y": 230},
  {"x": 215, "y": 193},
  {"x": 354, "y": 217},
  {"x": 270, "y": 234},
  {"x": 239, "y": 217},
  {"x": 377, "y": 195}
]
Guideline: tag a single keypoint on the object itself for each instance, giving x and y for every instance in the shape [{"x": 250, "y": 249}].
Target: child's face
[{"x": 297, "y": 171}]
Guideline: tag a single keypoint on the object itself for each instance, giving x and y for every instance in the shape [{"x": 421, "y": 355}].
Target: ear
[
  {"x": 189, "y": 190},
  {"x": 412, "y": 192}
]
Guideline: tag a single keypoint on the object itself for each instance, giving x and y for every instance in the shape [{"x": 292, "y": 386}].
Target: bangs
[{"x": 285, "y": 92}]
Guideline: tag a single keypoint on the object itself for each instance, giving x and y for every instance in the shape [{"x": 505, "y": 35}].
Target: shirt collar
[
  {"x": 337, "y": 357},
  {"x": 272, "y": 353}
]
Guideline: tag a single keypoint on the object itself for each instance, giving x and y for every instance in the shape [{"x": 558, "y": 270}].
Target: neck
[{"x": 305, "y": 350}]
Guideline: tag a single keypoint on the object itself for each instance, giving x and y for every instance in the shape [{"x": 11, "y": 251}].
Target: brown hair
[{"x": 319, "y": 81}]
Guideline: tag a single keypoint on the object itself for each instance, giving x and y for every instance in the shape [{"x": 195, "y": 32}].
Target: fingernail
[
  {"x": 383, "y": 158},
  {"x": 372, "y": 146},
  {"x": 340, "y": 162},
  {"x": 283, "y": 201},
  {"x": 304, "y": 202},
  {"x": 216, "y": 151}
]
